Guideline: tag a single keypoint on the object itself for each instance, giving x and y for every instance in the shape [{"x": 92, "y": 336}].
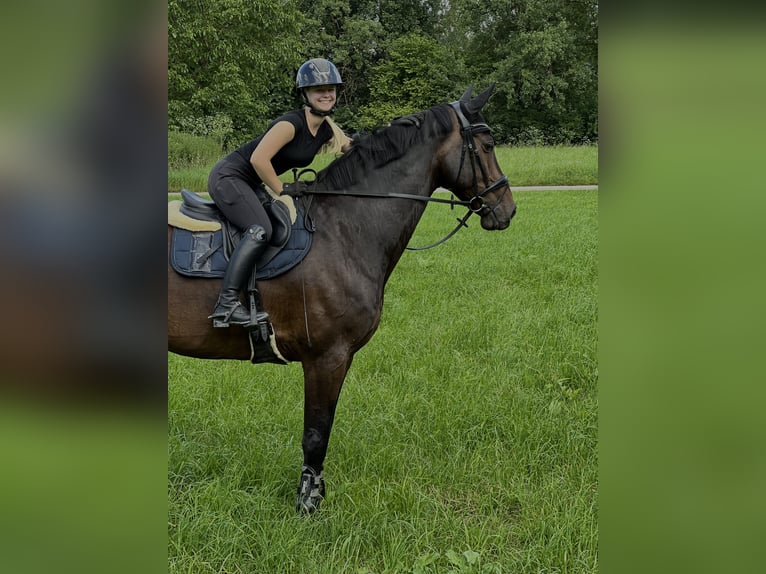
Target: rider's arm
[{"x": 273, "y": 141}]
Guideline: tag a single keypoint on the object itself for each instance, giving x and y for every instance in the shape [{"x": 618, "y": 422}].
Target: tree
[
  {"x": 406, "y": 17},
  {"x": 232, "y": 62},
  {"x": 225, "y": 59},
  {"x": 542, "y": 54},
  {"x": 418, "y": 73}
]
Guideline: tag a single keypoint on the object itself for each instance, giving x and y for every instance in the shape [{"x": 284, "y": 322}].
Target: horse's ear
[
  {"x": 478, "y": 102},
  {"x": 466, "y": 97}
]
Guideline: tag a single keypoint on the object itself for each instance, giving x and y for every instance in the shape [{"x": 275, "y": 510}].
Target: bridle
[
  {"x": 477, "y": 203},
  {"x": 474, "y": 205},
  {"x": 469, "y": 130}
]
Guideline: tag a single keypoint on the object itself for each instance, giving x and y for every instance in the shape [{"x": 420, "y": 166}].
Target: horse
[{"x": 328, "y": 307}]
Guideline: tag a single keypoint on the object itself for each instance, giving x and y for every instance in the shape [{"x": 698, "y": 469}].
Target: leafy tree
[
  {"x": 232, "y": 62},
  {"x": 419, "y": 72},
  {"x": 405, "y": 17},
  {"x": 228, "y": 58},
  {"x": 543, "y": 56}
]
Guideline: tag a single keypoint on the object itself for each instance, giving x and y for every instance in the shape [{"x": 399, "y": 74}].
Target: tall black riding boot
[{"x": 229, "y": 310}]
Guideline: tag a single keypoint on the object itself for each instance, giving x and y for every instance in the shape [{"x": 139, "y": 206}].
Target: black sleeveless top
[{"x": 298, "y": 152}]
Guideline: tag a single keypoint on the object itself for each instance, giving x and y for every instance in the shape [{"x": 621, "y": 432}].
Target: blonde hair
[{"x": 338, "y": 140}]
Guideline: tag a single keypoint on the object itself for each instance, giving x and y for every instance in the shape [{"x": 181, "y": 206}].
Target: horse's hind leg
[{"x": 323, "y": 380}]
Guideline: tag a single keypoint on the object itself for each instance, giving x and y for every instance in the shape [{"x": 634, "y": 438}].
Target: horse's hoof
[
  {"x": 307, "y": 507},
  {"x": 311, "y": 491}
]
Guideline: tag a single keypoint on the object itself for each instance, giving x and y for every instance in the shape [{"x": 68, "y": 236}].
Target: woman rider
[{"x": 236, "y": 183}]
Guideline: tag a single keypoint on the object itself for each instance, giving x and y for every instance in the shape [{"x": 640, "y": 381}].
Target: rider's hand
[{"x": 296, "y": 189}]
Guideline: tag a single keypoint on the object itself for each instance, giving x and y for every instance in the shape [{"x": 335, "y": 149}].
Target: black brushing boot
[{"x": 229, "y": 310}]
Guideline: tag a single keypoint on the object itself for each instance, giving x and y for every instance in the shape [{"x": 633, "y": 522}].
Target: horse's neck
[{"x": 384, "y": 226}]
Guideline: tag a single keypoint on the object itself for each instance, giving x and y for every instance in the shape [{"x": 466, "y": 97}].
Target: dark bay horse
[{"x": 328, "y": 307}]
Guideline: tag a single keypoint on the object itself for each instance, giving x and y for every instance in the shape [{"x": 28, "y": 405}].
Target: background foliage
[{"x": 232, "y": 63}]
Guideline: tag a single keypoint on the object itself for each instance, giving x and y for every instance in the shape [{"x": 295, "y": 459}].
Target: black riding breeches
[{"x": 237, "y": 198}]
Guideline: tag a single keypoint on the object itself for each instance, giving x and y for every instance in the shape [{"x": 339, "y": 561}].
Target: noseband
[{"x": 469, "y": 130}]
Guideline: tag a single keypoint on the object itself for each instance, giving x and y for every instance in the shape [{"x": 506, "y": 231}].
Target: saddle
[
  {"x": 206, "y": 210},
  {"x": 203, "y": 239}
]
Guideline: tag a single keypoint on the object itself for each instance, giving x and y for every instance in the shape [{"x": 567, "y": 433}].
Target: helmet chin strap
[{"x": 320, "y": 112}]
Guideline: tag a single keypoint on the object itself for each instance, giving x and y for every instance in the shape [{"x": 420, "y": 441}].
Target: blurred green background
[{"x": 681, "y": 296}]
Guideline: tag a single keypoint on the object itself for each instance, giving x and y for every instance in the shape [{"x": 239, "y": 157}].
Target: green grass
[
  {"x": 191, "y": 178},
  {"x": 559, "y": 165},
  {"x": 465, "y": 436}
]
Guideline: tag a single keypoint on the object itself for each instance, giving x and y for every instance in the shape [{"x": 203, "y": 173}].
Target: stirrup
[{"x": 224, "y": 320}]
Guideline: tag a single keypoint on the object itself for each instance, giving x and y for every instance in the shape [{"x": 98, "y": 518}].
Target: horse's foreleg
[{"x": 323, "y": 380}]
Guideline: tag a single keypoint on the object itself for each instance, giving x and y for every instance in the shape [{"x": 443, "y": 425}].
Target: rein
[
  {"x": 474, "y": 205},
  {"x": 311, "y": 191}
]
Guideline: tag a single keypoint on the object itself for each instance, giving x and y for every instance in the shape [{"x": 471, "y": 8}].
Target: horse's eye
[{"x": 488, "y": 145}]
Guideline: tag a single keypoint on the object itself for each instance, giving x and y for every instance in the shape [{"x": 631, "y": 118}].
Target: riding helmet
[{"x": 317, "y": 72}]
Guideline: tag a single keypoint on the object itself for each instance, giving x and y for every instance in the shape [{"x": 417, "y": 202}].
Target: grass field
[
  {"x": 465, "y": 437},
  {"x": 559, "y": 165}
]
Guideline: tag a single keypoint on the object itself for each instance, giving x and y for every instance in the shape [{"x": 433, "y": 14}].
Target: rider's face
[{"x": 321, "y": 97}]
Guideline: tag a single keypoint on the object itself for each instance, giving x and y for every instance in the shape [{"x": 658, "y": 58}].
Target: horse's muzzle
[{"x": 491, "y": 220}]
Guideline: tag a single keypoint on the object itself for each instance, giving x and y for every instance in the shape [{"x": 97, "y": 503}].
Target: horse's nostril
[{"x": 513, "y": 212}]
